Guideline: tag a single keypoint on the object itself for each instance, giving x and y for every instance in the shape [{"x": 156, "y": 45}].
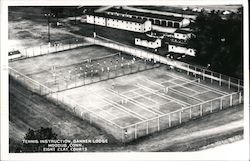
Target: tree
[
  {"x": 40, "y": 134},
  {"x": 219, "y": 42}
]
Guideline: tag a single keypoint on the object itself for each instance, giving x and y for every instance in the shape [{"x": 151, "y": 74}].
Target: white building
[
  {"x": 156, "y": 19},
  {"x": 182, "y": 34},
  {"x": 180, "y": 48},
  {"x": 124, "y": 23},
  {"x": 149, "y": 42}
]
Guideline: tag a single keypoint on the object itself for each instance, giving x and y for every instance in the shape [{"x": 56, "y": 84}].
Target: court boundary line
[
  {"x": 201, "y": 85},
  {"x": 122, "y": 107},
  {"x": 144, "y": 96},
  {"x": 167, "y": 97},
  {"x": 133, "y": 101}
]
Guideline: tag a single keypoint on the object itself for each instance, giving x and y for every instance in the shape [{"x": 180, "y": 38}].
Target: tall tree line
[{"x": 218, "y": 41}]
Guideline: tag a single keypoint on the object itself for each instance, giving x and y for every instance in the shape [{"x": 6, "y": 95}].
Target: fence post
[
  {"x": 238, "y": 85},
  {"x": 240, "y": 97},
  {"x": 26, "y": 52},
  {"x": 123, "y": 140},
  {"x": 40, "y": 89},
  {"x": 190, "y": 112},
  {"x": 220, "y": 80},
  {"x": 169, "y": 120},
  {"x": 229, "y": 82},
  {"x": 135, "y": 132},
  {"x": 180, "y": 117},
  {"x": 195, "y": 71},
  {"x": 211, "y": 109},
  {"x": 211, "y": 77},
  {"x": 231, "y": 100},
  {"x": 147, "y": 128},
  {"x": 40, "y": 50},
  {"x": 201, "y": 108},
  {"x": 188, "y": 70},
  {"x": 203, "y": 74},
  {"x": 221, "y": 103},
  {"x": 158, "y": 123},
  {"x": 57, "y": 99}
]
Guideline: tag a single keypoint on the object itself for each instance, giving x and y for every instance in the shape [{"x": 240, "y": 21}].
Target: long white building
[
  {"x": 156, "y": 19},
  {"x": 119, "y": 22}
]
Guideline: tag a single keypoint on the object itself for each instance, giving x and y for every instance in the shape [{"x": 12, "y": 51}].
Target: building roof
[
  {"x": 117, "y": 17},
  {"x": 177, "y": 44},
  {"x": 182, "y": 31},
  {"x": 145, "y": 37},
  {"x": 146, "y": 14}
]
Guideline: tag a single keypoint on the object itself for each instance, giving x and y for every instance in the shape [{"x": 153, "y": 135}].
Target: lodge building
[
  {"x": 156, "y": 19},
  {"x": 119, "y": 22}
]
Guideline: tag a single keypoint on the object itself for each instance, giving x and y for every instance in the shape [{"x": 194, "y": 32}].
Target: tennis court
[
  {"x": 133, "y": 99},
  {"x": 127, "y": 96}
]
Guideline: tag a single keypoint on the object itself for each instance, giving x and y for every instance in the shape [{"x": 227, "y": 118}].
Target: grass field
[{"x": 133, "y": 96}]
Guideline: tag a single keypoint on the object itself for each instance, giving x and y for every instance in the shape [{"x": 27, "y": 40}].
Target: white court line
[
  {"x": 168, "y": 81},
  {"x": 176, "y": 91},
  {"x": 155, "y": 82},
  {"x": 149, "y": 107},
  {"x": 121, "y": 116},
  {"x": 102, "y": 110},
  {"x": 167, "y": 103},
  {"x": 112, "y": 106},
  {"x": 165, "y": 96},
  {"x": 130, "y": 91},
  {"x": 137, "y": 103},
  {"x": 121, "y": 107},
  {"x": 200, "y": 85},
  {"x": 145, "y": 97},
  {"x": 177, "y": 85}
]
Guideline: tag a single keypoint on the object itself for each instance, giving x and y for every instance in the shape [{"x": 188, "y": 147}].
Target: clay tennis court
[{"x": 137, "y": 96}]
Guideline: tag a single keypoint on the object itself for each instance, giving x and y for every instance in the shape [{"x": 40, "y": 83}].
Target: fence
[
  {"x": 131, "y": 132},
  {"x": 188, "y": 113},
  {"x": 75, "y": 75},
  {"x": 199, "y": 72},
  {"x": 52, "y": 48},
  {"x": 145, "y": 127},
  {"x": 178, "y": 117},
  {"x": 67, "y": 104}
]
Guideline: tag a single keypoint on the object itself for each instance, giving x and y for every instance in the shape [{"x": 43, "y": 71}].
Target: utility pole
[{"x": 48, "y": 15}]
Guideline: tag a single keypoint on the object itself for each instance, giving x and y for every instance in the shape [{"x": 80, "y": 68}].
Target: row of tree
[{"x": 218, "y": 42}]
